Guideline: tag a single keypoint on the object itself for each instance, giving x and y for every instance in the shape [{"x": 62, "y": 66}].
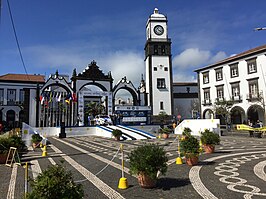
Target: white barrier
[{"x": 198, "y": 125}]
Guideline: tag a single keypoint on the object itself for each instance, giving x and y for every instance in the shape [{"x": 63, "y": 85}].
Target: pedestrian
[{"x": 89, "y": 120}]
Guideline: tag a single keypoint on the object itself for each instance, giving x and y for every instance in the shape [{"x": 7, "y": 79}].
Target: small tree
[
  {"x": 222, "y": 108},
  {"x": 55, "y": 182}
]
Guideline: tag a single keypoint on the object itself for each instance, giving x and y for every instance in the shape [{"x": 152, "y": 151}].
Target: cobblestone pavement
[{"x": 236, "y": 170}]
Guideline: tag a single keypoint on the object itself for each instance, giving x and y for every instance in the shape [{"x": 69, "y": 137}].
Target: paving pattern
[{"x": 236, "y": 170}]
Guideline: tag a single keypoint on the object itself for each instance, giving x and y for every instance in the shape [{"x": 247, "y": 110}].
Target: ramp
[{"x": 128, "y": 133}]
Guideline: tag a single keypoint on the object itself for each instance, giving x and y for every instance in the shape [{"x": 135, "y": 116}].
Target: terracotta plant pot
[
  {"x": 191, "y": 161},
  {"x": 165, "y": 135},
  {"x": 209, "y": 148},
  {"x": 3, "y": 158},
  {"x": 35, "y": 145},
  {"x": 117, "y": 138},
  {"x": 146, "y": 181}
]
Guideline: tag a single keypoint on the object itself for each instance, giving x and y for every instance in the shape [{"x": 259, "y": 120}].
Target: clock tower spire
[{"x": 158, "y": 63}]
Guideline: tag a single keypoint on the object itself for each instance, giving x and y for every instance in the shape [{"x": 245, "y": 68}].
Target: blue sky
[{"x": 64, "y": 34}]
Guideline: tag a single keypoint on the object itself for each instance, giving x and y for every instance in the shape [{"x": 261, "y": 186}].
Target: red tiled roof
[
  {"x": 23, "y": 77},
  {"x": 236, "y": 57}
]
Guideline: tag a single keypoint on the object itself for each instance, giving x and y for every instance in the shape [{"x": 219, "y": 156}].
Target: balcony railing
[
  {"x": 237, "y": 98},
  {"x": 254, "y": 96},
  {"x": 206, "y": 102},
  {"x": 220, "y": 99}
]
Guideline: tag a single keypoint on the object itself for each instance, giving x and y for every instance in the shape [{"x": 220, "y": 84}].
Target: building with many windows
[
  {"x": 239, "y": 79},
  {"x": 18, "y": 98}
]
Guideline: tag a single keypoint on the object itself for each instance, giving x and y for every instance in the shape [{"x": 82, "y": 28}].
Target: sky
[{"x": 63, "y": 35}]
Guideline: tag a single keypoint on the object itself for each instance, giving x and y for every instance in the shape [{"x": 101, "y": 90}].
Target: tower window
[
  {"x": 163, "y": 49},
  {"x": 155, "y": 68},
  {"x": 161, "y": 106},
  {"x": 165, "y": 69},
  {"x": 161, "y": 83},
  {"x": 156, "y": 49}
]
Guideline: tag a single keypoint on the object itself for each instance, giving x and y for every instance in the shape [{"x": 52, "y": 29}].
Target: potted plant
[
  {"x": 6, "y": 143},
  {"x": 209, "y": 139},
  {"x": 36, "y": 139},
  {"x": 165, "y": 132},
  {"x": 117, "y": 134},
  {"x": 55, "y": 182},
  {"x": 145, "y": 162},
  {"x": 4, "y": 147},
  {"x": 190, "y": 149}
]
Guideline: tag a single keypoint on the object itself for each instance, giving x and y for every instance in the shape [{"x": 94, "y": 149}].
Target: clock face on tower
[{"x": 158, "y": 30}]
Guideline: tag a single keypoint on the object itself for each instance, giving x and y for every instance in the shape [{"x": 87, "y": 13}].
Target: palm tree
[{"x": 94, "y": 108}]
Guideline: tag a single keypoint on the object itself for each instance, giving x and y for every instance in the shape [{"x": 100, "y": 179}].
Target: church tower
[{"x": 158, "y": 63}]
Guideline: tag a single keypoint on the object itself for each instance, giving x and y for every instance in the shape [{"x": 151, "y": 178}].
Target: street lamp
[{"x": 259, "y": 28}]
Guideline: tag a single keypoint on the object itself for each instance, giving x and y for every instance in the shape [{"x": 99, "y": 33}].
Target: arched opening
[
  {"x": 10, "y": 118},
  {"x": 207, "y": 114},
  {"x": 95, "y": 102},
  {"x": 255, "y": 113},
  {"x": 123, "y": 97},
  {"x": 237, "y": 115}
]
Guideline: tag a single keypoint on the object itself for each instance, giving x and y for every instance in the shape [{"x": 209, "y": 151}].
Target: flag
[
  {"x": 68, "y": 98},
  {"x": 51, "y": 97},
  {"x": 74, "y": 97}
]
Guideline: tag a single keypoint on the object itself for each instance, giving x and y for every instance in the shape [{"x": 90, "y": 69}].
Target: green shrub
[
  {"x": 189, "y": 146},
  {"x": 148, "y": 159},
  {"x": 117, "y": 133},
  {"x": 4, "y": 145},
  {"x": 36, "y": 138},
  {"x": 13, "y": 141},
  {"x": 187, "y": 131},
  {"x": 54, "y": 183},
  {"x": 209, "y": 137}
]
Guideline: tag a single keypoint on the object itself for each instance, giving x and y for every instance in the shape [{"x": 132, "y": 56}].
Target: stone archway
[
  {"x": 128, "y": 86},
  {"x": 207, "y": 114},
  {"x": 254, "y": 113},
  {"x": 237, "y": 115}
]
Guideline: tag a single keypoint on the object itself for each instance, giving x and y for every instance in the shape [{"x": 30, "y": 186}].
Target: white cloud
[
  {"x": 194, "y": 57},
  {"x": 184, "y": 77},
  {"x": 124, "y": 63}
]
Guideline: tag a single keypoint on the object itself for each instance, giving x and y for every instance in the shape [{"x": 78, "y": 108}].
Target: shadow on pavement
[{"x": 168, "y": 183}]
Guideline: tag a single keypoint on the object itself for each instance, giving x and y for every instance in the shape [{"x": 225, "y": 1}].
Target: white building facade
[
  {"x": 18, "y": 99},
  {"x": 239, "y": 79}
]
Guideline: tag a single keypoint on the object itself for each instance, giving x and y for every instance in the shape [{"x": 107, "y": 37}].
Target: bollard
[
  {"x": 122, "y": 181},
  {"x": 44, "y": 151},
  {"x": 26, "y": 179}
]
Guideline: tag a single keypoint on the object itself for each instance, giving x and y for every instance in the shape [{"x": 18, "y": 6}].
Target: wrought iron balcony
[
  {"x": 237, "y": 98},
  {"x": 206, "y": 102},
  {"x": 255, "y": 96}
]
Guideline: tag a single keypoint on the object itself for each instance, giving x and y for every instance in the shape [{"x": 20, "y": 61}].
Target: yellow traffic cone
[
  {"x": 44, "y": 151},
  {"x": 122, "y": 183}
]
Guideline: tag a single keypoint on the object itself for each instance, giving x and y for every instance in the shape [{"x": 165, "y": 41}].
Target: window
[
  {"x": 163, "y": 49},
  {"x": 165, "y": 69},
  {"x": 252, "y": 66},
  {"x": 156, "y": 49},
  {"x": 234, "y": 70},
  {"x": 21, "y": 95},
  {"x": 11, "y": 96},
  {"x": 235, "y": 90},
  {"x": 161, "y": 106},
  {"x": 206, "y": 94},
  {"x": 253, "y": 88},
  {"x": 155, "y": 68},
  {"x": 219, "y": 74},
  {"x": 206, "y": 78},
  {"x": 1, "y": 95},
  {"x": 220, "y": 92},
  {"x": 161, "y": 83}
]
